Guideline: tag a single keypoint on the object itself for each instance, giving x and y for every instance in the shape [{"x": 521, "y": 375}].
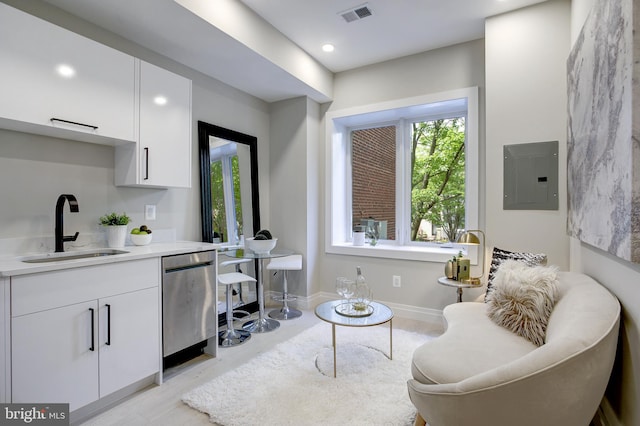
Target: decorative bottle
[
  {"x": 449, "y": 268},
  {"x": 363, "y": 293}
]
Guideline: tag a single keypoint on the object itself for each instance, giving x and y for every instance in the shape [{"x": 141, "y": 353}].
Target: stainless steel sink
[{"x": 72, "y": 255}]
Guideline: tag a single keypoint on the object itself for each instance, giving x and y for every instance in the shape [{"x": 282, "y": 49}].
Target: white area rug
[{"x": 293, "y": 383}]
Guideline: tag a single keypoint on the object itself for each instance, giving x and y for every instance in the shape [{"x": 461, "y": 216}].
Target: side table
[{"x": 458, "y": 284}]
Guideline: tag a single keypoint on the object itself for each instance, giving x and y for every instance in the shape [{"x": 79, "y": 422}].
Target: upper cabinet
[
  {"x": 162, "y": 156},
  {"x": 55, "y": 82}
]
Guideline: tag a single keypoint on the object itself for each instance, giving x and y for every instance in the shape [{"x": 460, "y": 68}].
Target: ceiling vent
[{"x": 356, "y": 13}]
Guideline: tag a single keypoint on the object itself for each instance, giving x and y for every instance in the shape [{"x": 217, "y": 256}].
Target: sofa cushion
[
  {"x": 471, "y": 345},
  {"x": 523, "y": 299},
  {"x": 499, "y": 255}
]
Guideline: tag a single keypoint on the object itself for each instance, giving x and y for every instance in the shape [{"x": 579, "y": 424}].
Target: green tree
[
  {"x": 437, "y": 175},
  {"x": 235, "y": 171},
  {"x": 218, "y": 213}
]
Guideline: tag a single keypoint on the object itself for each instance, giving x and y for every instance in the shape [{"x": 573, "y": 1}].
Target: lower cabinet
[
  {"x": 81, "y": 352},
  {"x": 128, "y": 339},
  {"x": 52, "y": 360}
]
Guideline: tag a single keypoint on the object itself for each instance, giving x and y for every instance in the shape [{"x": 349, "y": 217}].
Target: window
[
  {"x": 225, "y": 192},
  {"x": 406, "y": 173},
  {"x": 437, "y": 173},
  {"x": 373, "y": 177}
]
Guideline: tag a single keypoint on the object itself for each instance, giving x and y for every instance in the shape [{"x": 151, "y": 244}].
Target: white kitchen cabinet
[
  {"x": 58, "y": 83},
  {"x": 129, "y": 339},
  {"x": 80, "y": 334},
  {"x": 52, "y": 360},
  {"x": 162, "y": 156}
]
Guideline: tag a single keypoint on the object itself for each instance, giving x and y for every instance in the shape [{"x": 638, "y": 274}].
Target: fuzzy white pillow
[{"x": 523, "y": 299}]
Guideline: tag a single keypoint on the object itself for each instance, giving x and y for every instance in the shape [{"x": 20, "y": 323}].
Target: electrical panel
[{"x": 531, "y": 176}]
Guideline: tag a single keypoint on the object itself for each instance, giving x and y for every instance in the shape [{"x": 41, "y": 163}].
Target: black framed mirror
[{"x": 230, "y": 202}]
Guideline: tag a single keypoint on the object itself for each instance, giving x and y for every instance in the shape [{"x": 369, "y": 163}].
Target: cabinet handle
[
  {"x": 93, "y": 335},
  {"x": 108, "y": 342},
  {"x": 146, "y": 163},
  {"x": 75, "y": 123}
]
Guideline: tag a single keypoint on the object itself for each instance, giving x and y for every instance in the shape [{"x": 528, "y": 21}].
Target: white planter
[{"x": 116, "y": 234}]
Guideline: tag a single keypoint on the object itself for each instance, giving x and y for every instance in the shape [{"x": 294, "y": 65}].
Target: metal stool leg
[
  {"x": 285, "y": 313},
  {"x": 231, "y": 336},
  {"x": 239, "y": 291},
  {"x": 261, "y": 324}
]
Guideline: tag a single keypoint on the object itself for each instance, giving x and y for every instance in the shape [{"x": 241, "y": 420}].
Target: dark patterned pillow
[{"x": 499, "y": 256}]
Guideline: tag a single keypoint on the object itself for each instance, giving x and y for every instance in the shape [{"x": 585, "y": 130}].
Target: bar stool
[
  {"x": 287, "y": 263},
  {"x": 237, "y": 263},
  {"x": 232, "y": 336}
]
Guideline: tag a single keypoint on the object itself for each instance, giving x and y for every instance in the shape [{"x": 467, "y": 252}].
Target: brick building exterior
[{"x": 373, "y": 158}]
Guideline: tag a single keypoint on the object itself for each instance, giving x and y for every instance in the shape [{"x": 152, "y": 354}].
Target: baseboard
[
  {"x": 82, "y": 414},
  {"x": 605, "y": 416},
  {"x": 403, "y": 311}
]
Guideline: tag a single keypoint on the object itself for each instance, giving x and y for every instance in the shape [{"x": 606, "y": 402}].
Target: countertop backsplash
[{"x": 86, "y": 240}]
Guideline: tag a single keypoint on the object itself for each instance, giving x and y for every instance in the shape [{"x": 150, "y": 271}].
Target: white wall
[
  {"x": 294, "y": 183},
  {"x": 315, "y": 200},
  {"x": 288, "y": 183},
  {"x": 622, "y": 400},
  {"x": 34, "y": 170},
  {"x": 526, "y": 52},
  {"x": 440, "y": 70}
]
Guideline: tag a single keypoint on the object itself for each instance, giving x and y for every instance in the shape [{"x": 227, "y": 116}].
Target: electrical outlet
[
  {"x": 149, "y": 212},
  {"x": 397, "y": 281}
]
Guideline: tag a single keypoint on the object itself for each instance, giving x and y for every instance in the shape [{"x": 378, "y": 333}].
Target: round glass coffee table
[{"x": 379, "y": 314}]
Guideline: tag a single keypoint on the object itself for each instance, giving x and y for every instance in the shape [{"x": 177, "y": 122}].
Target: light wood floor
[{"x": 162, "y": 405}]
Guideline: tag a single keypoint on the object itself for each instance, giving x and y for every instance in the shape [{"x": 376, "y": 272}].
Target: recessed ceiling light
[
  {"x": 328, "y": 47},
  {"x": 65, "y": 70}
]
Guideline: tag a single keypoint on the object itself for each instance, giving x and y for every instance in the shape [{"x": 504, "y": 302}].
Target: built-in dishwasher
[{"x": 189, "y": 302}]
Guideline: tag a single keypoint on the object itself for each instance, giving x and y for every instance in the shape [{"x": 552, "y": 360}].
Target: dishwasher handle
[{"x": 187, "y": 267}]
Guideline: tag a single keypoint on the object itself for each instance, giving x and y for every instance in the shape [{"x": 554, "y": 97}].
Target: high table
[{"x": 262, "y": 324}]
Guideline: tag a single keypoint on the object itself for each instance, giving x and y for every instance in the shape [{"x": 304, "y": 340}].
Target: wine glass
[
  {"x": 350, "y": 289},
  {"x": 341, "y": 286}
]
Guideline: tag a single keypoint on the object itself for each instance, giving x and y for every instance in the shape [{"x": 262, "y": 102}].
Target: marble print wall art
[{"x": 603, "y": 152}]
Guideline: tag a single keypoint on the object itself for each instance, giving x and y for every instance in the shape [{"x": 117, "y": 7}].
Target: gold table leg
[
  {"x": 391, "y": 338},
  {"x": 333, "y": 338},
  {"x": 333, "y": 342}
]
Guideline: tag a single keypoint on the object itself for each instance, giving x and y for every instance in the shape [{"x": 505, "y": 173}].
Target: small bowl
[
  {"x": 260, "y": 246},
  {"x": 141, "y": 239}
]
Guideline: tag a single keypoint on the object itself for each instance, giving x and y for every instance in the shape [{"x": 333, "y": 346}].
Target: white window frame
[{"x": 338, "y": 236}]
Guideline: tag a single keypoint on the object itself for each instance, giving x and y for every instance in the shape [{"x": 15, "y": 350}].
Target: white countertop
[{"x": 12, "y": 265}]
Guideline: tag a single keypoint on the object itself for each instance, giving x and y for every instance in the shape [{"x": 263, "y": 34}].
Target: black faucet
[{"x": 73, "y": 206}]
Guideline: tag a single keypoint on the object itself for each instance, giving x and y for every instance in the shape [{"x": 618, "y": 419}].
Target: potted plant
[{"x": 116, "y": 228}]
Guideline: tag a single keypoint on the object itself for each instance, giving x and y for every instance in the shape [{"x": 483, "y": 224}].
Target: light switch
[{"x": 150, "y": 212}]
